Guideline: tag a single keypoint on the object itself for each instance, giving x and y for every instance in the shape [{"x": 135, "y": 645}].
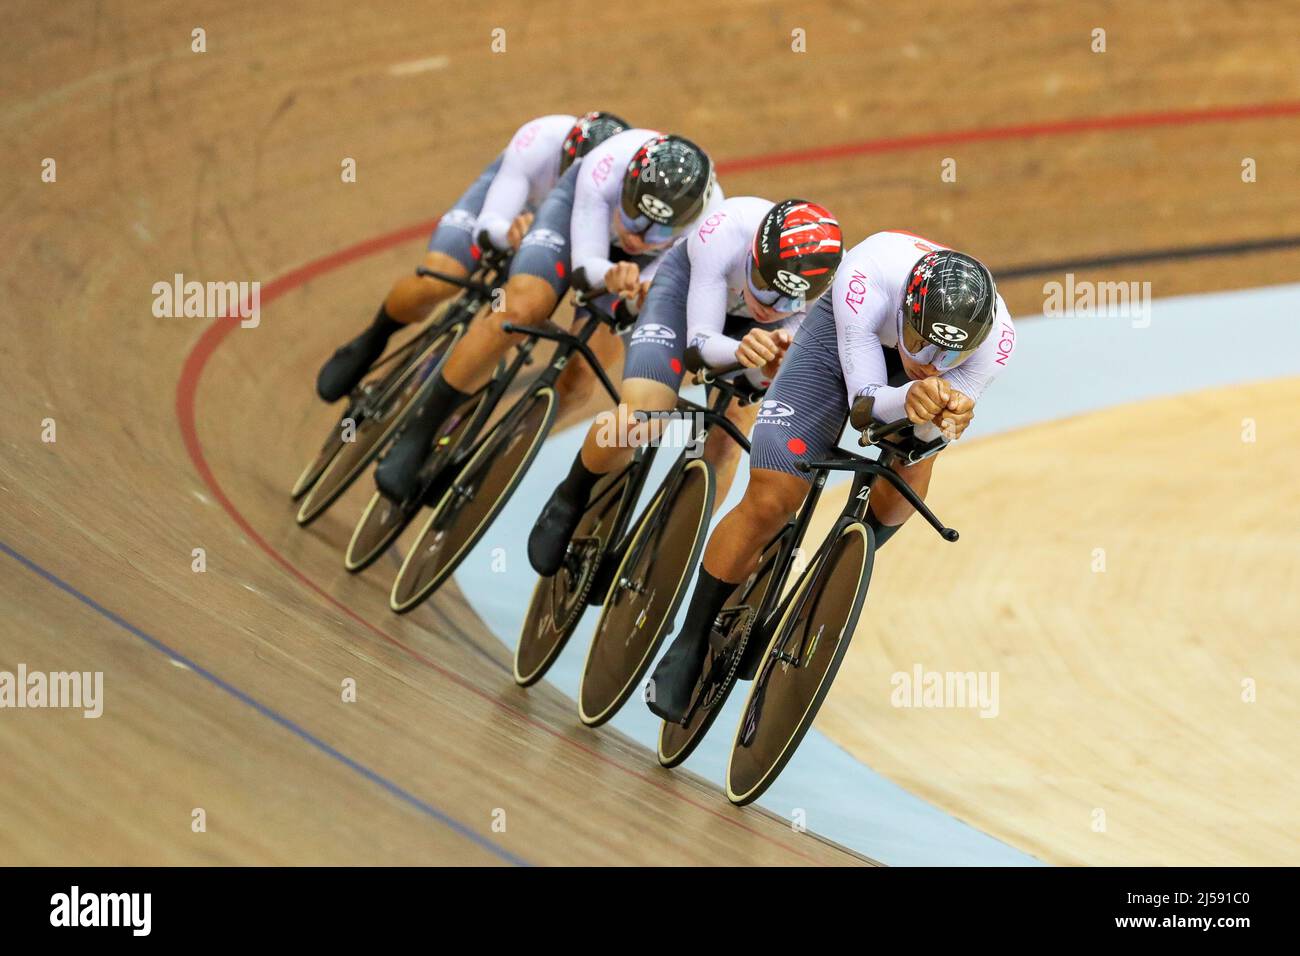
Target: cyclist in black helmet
[
  {"x": 582, "y": 235},
  {"x": 918, "y": 329},
  {"x": 500, "y": 204}
]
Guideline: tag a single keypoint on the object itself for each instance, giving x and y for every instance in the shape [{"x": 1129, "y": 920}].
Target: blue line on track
[{"x": 265, "y": 711}]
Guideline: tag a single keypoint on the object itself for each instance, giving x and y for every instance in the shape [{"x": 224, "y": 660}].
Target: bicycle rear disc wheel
[
  {"x": 784, "y": 698},
  {"x": 476, "y": 496},
  {"x": 372, "y": 432},
  {"x": 678, "y": 741},
  {"x": 558, "y": 601},
  {"x": 646, "y": 591}
]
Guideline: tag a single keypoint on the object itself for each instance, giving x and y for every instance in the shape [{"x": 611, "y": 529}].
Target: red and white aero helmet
[{"x": 797, "y": 249}]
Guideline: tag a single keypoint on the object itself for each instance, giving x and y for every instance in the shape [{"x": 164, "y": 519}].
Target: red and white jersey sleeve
[{"x": 530, "y": 168}]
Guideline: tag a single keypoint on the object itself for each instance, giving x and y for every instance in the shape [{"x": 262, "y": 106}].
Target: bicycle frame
[
  {"x": 478, "y": 290},
  {"x": 866, "y": 472},
  {"x": 712, "y": 414}
]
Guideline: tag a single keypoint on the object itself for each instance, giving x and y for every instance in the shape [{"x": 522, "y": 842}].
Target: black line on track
[{"x": 1173, "y": 254}]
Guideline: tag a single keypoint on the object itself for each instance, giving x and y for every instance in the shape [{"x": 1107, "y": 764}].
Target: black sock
[
  {"x": 441, "y": 401},
  {"x": 577, "y": 486},
  {"x": 883, "y": 532},
  {"x": 384, "y": 324},
  {"x": 710, "y": 594}
]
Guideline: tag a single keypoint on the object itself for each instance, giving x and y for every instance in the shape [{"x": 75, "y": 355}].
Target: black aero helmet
[
  {"x": 668, "y": 183},
  {"x": 588, "y": 133},
  {"x": 949, "y": 301}
]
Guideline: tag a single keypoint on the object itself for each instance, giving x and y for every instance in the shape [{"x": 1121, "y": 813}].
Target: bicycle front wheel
[
  {"x": 372, "y": 432},
  {"x": 559, "y": 601},
  {"x": 800, "y": 664},
  {"x": 646, "y": 591}
]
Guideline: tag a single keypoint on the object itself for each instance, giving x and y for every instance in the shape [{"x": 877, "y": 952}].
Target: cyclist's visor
[
  {"x": 652, "y": 232},
  {"x": 768, "y": 296},
  {"x": 928, "y": 354}
]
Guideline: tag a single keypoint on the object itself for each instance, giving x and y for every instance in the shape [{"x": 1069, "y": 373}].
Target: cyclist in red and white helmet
[
  {"x": 735, "y": 290},
  {"x": 916, "y": 327}
]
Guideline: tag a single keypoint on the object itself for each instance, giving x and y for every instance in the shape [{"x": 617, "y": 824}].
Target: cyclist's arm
[
  {"x": 529, "y": 169},
  {"x": 706, "y": 300},
  {"x": 857, "y": 319},
  {"x": 593, "y": 207},
  {"x": 975, "y": 374},
  {"x": 505, "y": 199}
]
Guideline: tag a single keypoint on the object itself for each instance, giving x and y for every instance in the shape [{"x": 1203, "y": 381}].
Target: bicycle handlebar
[
  {"x": 706, "y": 374},
  {"x": 866, "y": 465},
  {"x": 459, "y": 281}
]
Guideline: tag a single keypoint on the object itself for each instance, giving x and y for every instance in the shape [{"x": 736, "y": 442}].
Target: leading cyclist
[{"x": 921, "y": 337}]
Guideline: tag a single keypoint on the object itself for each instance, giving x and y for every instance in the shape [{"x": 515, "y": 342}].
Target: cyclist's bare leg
[
  {"x": 721, "y": 450},
  {"x": 528, "y": 301},
  {"x": 578, "y": 384},
  {"x": 770, "y": 499},
  {"x": 889, "y": 507},
  {"x": 614, "y": 434},
  {"x": 413, "y": 297}
]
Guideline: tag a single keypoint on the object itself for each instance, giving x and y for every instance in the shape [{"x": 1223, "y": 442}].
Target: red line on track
[
  {"x": 1083, "y": 124},
  {"x": 197, "y": 359}
]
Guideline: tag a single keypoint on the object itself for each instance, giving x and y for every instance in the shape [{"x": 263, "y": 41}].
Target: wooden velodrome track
[{"x": 223, "y": 688}]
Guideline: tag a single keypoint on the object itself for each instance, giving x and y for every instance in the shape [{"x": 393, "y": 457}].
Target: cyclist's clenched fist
[
  {"x": 934, "y": 400},
  {"x": 956, "y": 414},
  {"x": 761, "y": 348},
  {"x": 624, "y": 279},
  {"x": 925, "y": 399}
]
